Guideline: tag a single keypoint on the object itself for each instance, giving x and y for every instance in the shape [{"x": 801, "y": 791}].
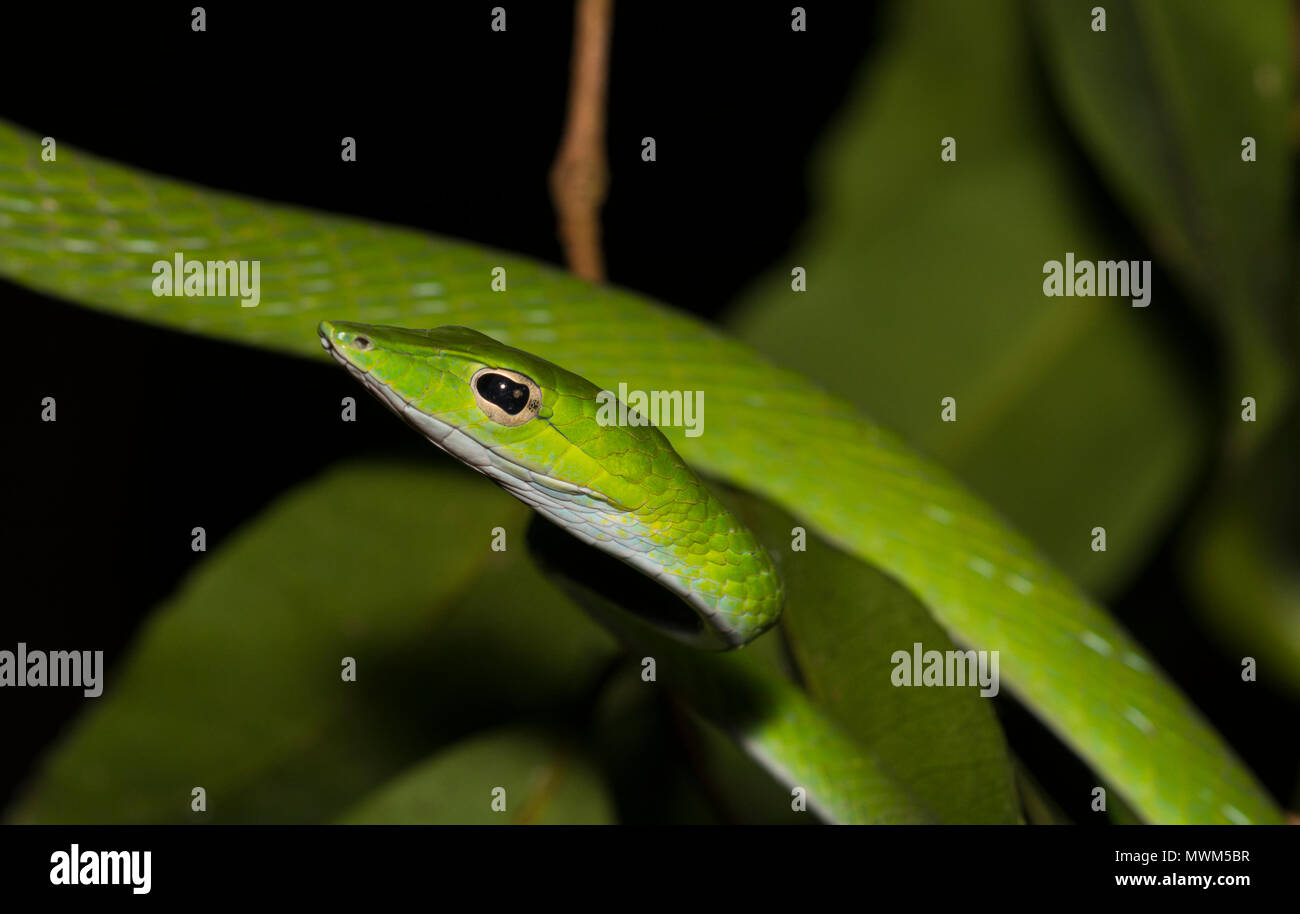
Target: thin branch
[{"x": 580, "y": 175}]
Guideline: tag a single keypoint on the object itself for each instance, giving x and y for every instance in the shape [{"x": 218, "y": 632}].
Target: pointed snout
[{"x": 343, "y": 337}]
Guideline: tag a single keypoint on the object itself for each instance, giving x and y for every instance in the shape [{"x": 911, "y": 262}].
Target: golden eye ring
[{"x": 506, "y": 397}]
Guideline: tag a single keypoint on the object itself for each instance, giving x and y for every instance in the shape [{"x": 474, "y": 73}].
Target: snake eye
[{"x": 506, "y": 397}]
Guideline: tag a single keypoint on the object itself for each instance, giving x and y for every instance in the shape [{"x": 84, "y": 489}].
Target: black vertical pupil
[{"x": 504, "y": 392}]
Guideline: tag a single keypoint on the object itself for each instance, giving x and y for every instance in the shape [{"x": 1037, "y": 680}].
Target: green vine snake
[{"x": 88, "y": 230}]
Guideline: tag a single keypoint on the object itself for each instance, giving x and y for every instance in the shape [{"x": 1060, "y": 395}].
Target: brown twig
[{"x": 580, "y": 174}]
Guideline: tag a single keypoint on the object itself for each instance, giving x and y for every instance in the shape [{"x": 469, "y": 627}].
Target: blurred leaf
[
  {"x": 738, "y": 692},
  {"x": 1241, "y": 560},
  {"x": 843, "y": 621},
  {"x": 641, "y": 740},
  {"x": 235, "y": 683},
  {"x": 925, "y": 282},
  {"x": 546, "y": 782},
  {"x": 1163, "y": 100},
  {"x": 749, "y": 794},
  {"x": 667, "y": 766}
]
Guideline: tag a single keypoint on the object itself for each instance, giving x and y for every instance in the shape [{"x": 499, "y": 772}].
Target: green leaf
[
  {"x": 235, "y": 685},
  {"x": 1163, "y": 100},
  {"x": 534, "y": 779},
  {"x": 844, "y": 621},
  {"x": 925, "y": 282}
]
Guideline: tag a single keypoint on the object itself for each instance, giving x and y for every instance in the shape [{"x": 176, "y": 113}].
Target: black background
[
  {"x": 333, "y": 863},
  {"x": 456, "y": 129}
]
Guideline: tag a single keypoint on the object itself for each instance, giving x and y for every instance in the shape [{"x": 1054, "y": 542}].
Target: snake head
[
  {"x": 496, "y": 408},
  {"x": 455, "y": 375}
]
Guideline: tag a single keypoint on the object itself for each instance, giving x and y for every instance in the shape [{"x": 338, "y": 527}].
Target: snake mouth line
[
  {"x": 433, "y": 430},
  {"x": 386, "y": 394}
]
